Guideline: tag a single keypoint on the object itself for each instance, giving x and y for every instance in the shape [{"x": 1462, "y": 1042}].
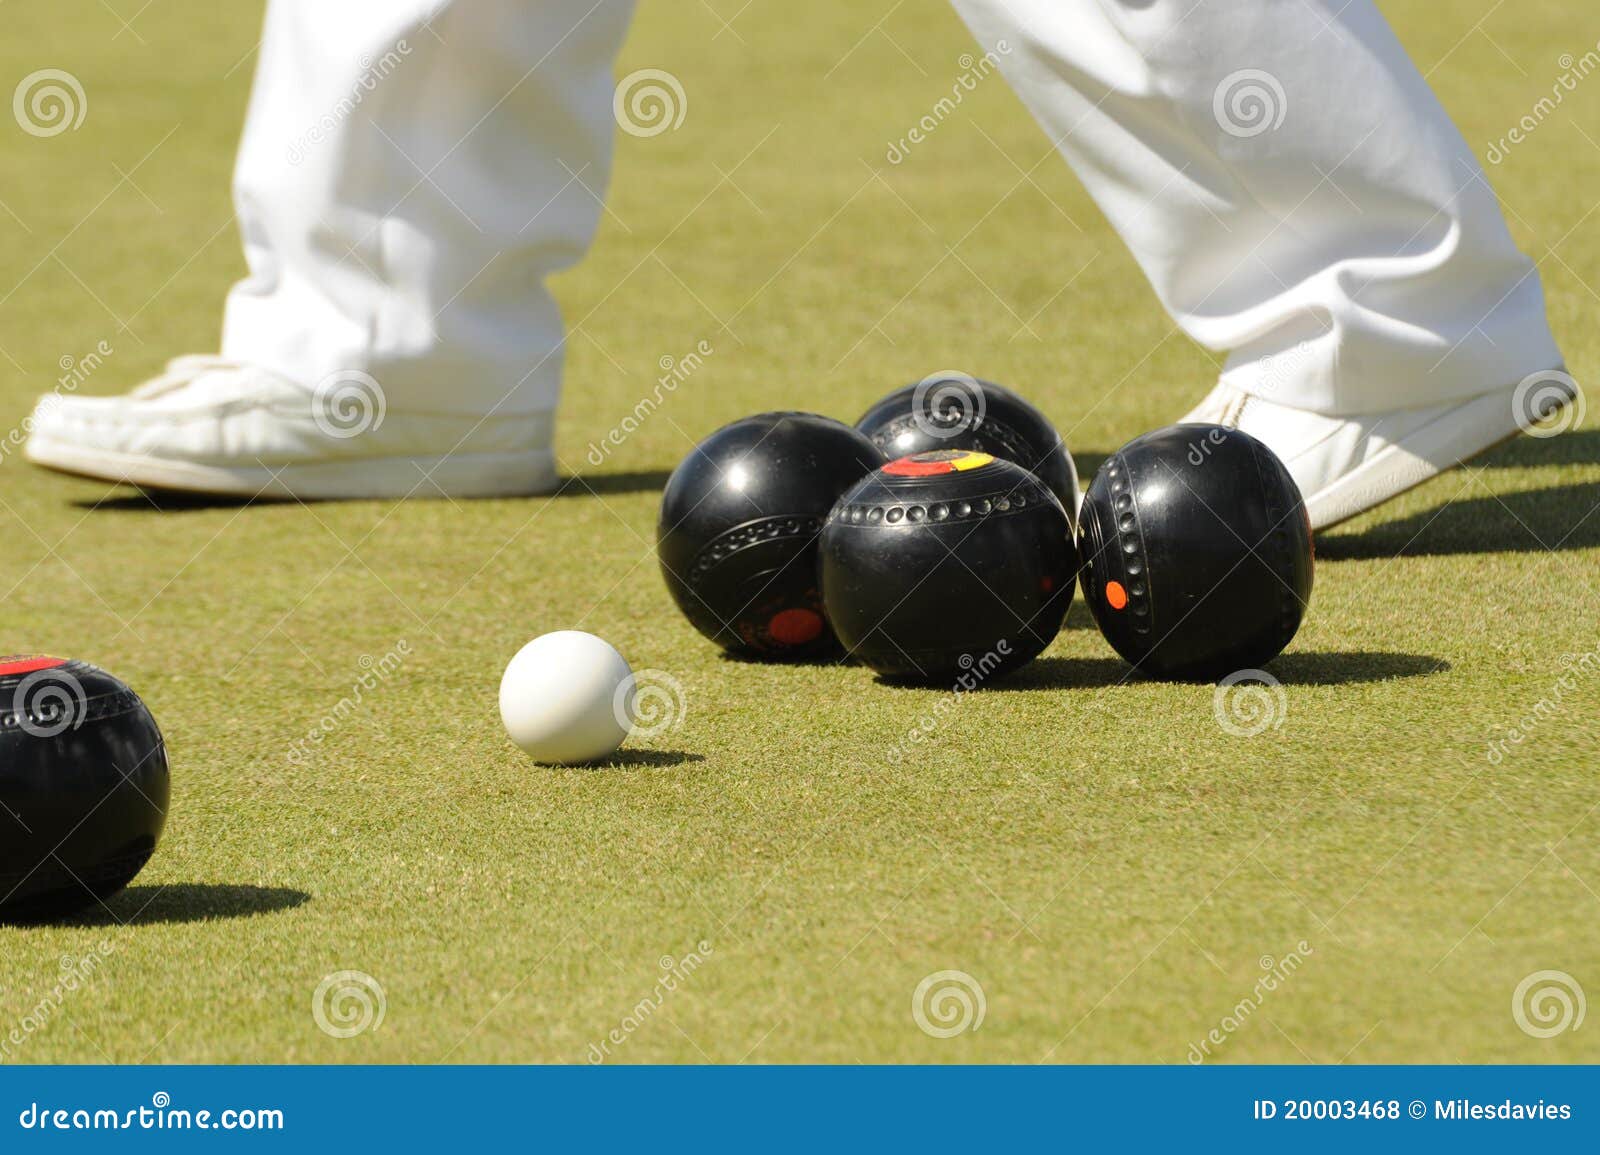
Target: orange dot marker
[{"x": 1116, "y": 596}]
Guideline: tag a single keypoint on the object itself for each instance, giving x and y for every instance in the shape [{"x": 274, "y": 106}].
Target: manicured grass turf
[{"x": 1107, "y": 862}]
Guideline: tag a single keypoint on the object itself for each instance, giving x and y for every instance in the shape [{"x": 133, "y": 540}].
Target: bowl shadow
[
  {"x": 639, "y": 760},
  {"x": 832, "y": 656},
  {"x": 1349, "y": 667},
  {"x": 186, "y": 902},
  {"x": 1300, "y": 668}
]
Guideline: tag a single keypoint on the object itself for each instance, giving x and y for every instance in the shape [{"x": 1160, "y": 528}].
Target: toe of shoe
[{"x": 87, "y": 422}]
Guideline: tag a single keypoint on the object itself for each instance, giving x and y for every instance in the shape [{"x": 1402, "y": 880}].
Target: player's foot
[
  {"x": 1346, "y": 465},
  {"x": 212, "y": 426}
]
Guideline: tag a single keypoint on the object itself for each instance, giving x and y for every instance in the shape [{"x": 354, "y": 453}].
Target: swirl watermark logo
[
  {"x": 1547, "y": 404},
  {"x": 348, "y": 403},
  {"x": 49, "y": 102},
  {"x": 649, "y": 102},
  {"x": 1548, "y": 1003},
  {"x": 348, "y": 1003},
  {"x": 948, "y": 1003},
  {"x": 1249, "y": 103},
  {"x": 948, "y": 403},
  {"x": 649, "y": 703},
  {"x": 1249, "y": 702},
  {"x": 49, "y": 702}
]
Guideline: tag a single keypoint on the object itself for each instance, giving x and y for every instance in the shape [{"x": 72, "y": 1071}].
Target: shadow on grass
[
  {"x": 131, "y": 500},
  {"x": 641, "y": 760},
  {"x": 1562, "y": 517},
  {"x": 188, "y": 902},
  {"x": 1303, "y": 668},
  {"x": 832, "y": 656},
  {"x": 1049, "y": 673},
  {"x": 1580, "y": 448},
  {"x": 605, "y": 484},
  {"x": 134, "y": 500},
  {"x": 1335, "y": 668}
]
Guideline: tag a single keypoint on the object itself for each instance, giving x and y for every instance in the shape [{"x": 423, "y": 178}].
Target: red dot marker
[
  {"x": 1116, "y": 596},
  {"x": 27, "y": 664},
  {"x": 794, "y": 627}
]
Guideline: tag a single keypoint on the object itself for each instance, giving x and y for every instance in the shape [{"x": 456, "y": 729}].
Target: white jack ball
[{"x": 565, "y": 697}]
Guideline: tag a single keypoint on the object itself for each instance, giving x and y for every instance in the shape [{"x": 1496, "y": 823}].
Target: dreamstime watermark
[
  {"x": 674, "y": 372},
  {"x": 348, "y": 403},
  {"x": 74, "y": 372},
  {"x": 1548, "y": 1003},
  {"x": 674, "y": 972},
  {"x": 348, "y": 1003},
  {"x": 374, "y": 672},
  {"x": 1574, "y": 71},
  {"x": 160, "y": 1115},
  {"x": 1579, "y": 668},
  {"x": 1249, "y": 702},
  {"x": 1249, "y": 102},
  {"x": 649, "y": 102},
  {"x": 973, "y": 72},
  {"x": 75, "y": 973},
  {"x": 1273, "y": 372},
  {"x": 974, "y": 673},
  {"x": 1279, "y": 369},
  {"x": 1547, "y": 404},
  {"x": 948, "y": 1003},
  {"x": 649, "y": 703},
  {"x": 373, "y": 72},
  {"x": 1278, "y": 972},
  {"x": 1200, "y": 448},
  {"x": 49, "y": 102}
]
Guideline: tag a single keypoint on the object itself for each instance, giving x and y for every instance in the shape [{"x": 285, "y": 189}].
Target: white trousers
[
  {"x": 413, "y": 170},
  {"x": 411, "y": 173}
]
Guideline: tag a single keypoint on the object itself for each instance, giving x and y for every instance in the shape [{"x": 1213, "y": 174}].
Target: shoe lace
[{"x": 182, "y": 371}]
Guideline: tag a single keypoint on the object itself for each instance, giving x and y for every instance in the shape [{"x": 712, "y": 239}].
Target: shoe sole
[
  {"x": 1472, "y": 428},
  {"x": 462, "y": 475}
]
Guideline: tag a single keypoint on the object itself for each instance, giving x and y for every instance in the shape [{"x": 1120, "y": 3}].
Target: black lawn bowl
[
  {"x": 83, "y": 786},
  {"x": 1196, "y": 548},
  {"x": 953, "y": 411},
  {"x": 947, "y": 565},
  {"x": 739, "y": 523}
]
